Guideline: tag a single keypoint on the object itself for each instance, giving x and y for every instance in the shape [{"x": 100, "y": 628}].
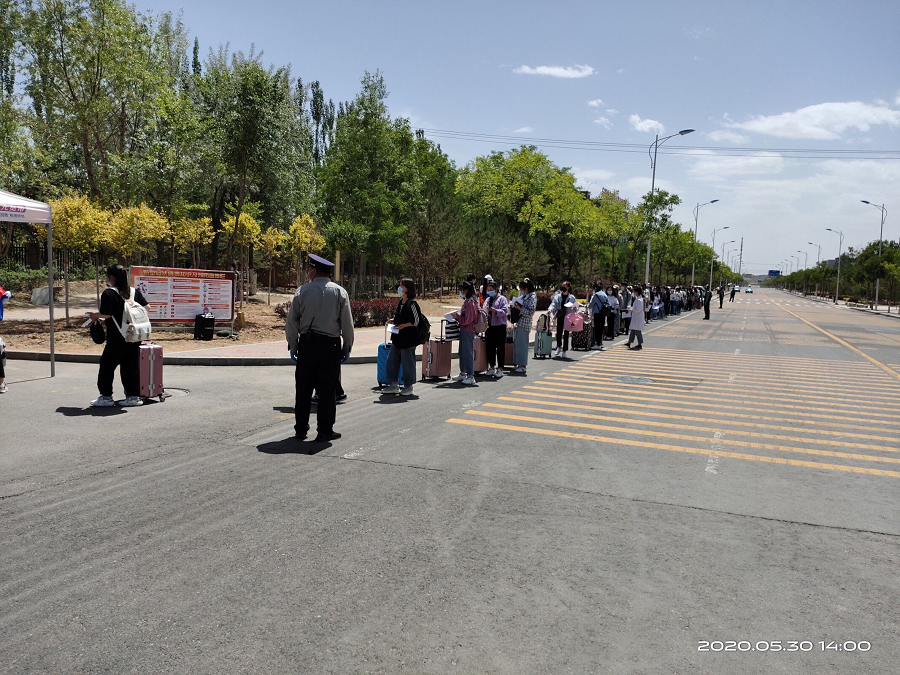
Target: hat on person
[
  {"x": 319, "y": 263},
  {"x": 488, "y": 278}
]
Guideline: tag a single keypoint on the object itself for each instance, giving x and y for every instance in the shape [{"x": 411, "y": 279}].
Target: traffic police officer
[{"x": 318, "y": 322}]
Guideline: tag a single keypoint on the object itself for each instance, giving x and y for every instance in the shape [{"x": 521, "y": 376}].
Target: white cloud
[
  {"x": 596, "y": 103},
  {"x": 568, "y": 72},
  {"x": 823, "y": 121},
  {"x": 710, "y": 167},
  {"x": 897, "y": 100},
  {"x": 524, "y": 130},
  {"x": 603, "y": 122},
  {"x": 645, "y": 125},
  {"x": 620, "y": 71},
  {"x": 612, "y": 111},
  {"x": 698, "y": 33},
  {"x": 723, "y": 136}
]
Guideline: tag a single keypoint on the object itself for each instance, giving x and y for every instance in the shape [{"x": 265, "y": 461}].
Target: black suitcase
[{"x": 204, "y": 326}]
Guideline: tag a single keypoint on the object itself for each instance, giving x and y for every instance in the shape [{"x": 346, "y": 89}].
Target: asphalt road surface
[{"x": 734, "y": 483}]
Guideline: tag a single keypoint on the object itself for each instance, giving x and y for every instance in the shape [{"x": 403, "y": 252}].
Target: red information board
[{"x": 178, "y": 295}]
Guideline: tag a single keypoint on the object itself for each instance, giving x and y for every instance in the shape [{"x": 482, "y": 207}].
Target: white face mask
[
  {"x": 462, "y": 295},
  {"x": 399, "y": 290}
]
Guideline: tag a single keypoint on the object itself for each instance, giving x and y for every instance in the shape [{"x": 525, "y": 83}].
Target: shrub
[
  {"x": 366, "y": 313},
  {"x": 22, "y": 280},
  {"x": 375, "y": 312}
]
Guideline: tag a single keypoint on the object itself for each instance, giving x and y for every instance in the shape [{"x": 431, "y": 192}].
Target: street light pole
[
  {"x": 880, "y": 237},
  {"x": 837, "y": 288},
  {"x": 724, "y": 244},
  {"x": 654, "y": 147},
  {"x": 805, "y": 266},
  {"x": 713, "y": 256},
  {"x": 696, "y": 216}
]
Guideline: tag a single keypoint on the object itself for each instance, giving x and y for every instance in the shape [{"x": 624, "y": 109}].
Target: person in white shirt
[{"x": 637, "y": 319}]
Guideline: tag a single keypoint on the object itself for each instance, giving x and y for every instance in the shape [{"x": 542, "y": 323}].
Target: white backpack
[{"x": 135, "y": 326}]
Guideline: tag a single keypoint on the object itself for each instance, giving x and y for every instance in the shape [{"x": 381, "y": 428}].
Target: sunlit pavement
[{"x": 734, "y": 480}]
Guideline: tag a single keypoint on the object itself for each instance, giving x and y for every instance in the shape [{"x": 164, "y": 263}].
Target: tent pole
[{"x": 50, "y": 289}]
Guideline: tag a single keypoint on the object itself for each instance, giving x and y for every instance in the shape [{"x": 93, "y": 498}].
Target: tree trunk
[
  {"x": 269, "y": 296},
  {"x": 66, "y": 277},
  {"x": 97, "y": 270}
]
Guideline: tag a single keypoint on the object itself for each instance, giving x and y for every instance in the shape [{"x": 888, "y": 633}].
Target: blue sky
[{"x": 762, "y": 75}]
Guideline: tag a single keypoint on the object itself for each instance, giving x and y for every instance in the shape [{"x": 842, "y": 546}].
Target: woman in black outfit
[
  {"x": 117, "y": 352},
  {"x": 404, "y": 342}
]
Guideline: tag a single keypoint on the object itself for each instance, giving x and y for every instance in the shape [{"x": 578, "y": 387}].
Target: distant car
[{"x": 749, "y": 289}]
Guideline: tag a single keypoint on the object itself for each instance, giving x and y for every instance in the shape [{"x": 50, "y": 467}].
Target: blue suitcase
[{"x": 383, "y": 350}]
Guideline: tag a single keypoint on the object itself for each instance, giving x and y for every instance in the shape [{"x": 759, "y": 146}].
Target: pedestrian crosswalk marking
[{"x": 677, "y": 448}]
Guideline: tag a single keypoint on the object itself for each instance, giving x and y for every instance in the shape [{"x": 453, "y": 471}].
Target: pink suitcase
[
  {"x": 481, "y": 363},
  {"x": 151, "y": 368},
  {"x": 436, "y": 358},
  {"x": 510, "y": 354}
]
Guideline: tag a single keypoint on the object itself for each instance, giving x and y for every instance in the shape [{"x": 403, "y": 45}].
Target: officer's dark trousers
[
  {"x": 318, "y": 368},
  {"x": 706, "y": 310}
]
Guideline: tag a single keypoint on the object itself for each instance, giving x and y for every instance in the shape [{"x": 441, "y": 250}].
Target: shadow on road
[
  {"x": 292, "y": 446},
  {"x": 284, "y": 409},
  {"x": 390, "y": 399},
  {"x": 90, "y": 412}
]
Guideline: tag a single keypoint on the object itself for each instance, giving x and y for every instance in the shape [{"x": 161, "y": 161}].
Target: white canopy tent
[{"x": 21, "y": 210}]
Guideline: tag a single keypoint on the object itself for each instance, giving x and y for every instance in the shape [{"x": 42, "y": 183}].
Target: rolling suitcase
[
  {"x": 543, "y": 340},
  {"x": 436, "y": 356},
  {"x": 481, "y": 363},
  {"x": 510, "y": 352},
  {"x": 383, "y": 350},
  {"x": 204, "y": 326},
  {"x": 151, "y": 370},
  {"x": 581, "y": 341}
]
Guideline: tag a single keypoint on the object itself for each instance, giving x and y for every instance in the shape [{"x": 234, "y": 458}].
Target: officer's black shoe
[
  {"x": 342, "y": 397},
  {"x": 324, "y": 438}
]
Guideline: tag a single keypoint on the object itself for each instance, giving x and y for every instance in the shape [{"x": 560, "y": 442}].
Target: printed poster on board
[{"x": 178, "y": 295}]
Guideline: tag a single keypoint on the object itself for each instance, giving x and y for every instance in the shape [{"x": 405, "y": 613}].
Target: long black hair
[
  {"x": 467, "y": 288},
  {"x": 121, "y": 276}
]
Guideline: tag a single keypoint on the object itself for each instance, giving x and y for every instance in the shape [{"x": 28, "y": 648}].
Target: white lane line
[{"x": 712, "y": 464}]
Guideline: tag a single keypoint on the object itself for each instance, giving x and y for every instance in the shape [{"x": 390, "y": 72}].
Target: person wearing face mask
[
  {"x": 562, "y": 303},
  {"x": 467, "y": 316},
  {"x": 497, "y": 308},
  {"x": 404, "y": 341},
  {"x": 612, "y": 319},
  {"x": 526, "y": 301}
]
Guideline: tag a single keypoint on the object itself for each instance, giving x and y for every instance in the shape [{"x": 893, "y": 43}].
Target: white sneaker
[
  {"x": 460, "y": 377},
  {"x": 469, "y": 380},
  {"x": 558, "y": 351},
  {"x": 519, "y": 369},
  {"x": 489, "y": 372},
  {"x": 391, "y": 389},
  {"x": 3, "y": 388},
  {"x": 598, "y": 348},
  {"x": 406, "y": 391},
  {"x": 565, "y": 354},
  {"x": 103, "y": 402},
  {"x": 132, "y": 401}
]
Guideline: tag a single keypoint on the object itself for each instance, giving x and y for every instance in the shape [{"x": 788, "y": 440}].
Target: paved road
[{"x": 735, "y": 480}]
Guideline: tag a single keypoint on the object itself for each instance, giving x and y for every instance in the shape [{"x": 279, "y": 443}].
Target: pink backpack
[{"x": 574, "y": 322}]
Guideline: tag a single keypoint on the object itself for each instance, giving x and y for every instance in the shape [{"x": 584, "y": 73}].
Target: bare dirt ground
[{"x": 262, "y": 325}]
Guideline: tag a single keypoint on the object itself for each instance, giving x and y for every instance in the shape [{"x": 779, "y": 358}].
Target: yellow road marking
[
  {"x": 780, "y": 378},
  {"x": 684, "y": 437},
  {"x": 641, "y": 409},
  {"x": 834, "y": 337},
  {"x": 677, "y": 425},
  {"x": 737, "y": 390},
  {"x": 676, "y": 448},
  {"x": 742, "y": 399},
  {"x": 822, "y": 419}
]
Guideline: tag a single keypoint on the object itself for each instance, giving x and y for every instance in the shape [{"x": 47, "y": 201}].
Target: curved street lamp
[
  {"x": 837, "y": 288},
  {"x": 696, "y": 215},
  {"x": 723, "y": 254},
  {"x": 652, "y": 152},
  {"x": 880, "y": 237}
]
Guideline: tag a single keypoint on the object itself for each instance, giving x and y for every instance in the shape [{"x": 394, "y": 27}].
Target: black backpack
[{"x": 424, "y": 327}]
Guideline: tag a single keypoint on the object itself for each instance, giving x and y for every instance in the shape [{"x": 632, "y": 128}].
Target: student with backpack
[
  {"x": 467, "y": 316},
  {"x": 127, "y": 323},
  {"x": 524, "y": 305},
  {"x": 497, "y": 308},
  {"x": 404, "y": 341}
]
